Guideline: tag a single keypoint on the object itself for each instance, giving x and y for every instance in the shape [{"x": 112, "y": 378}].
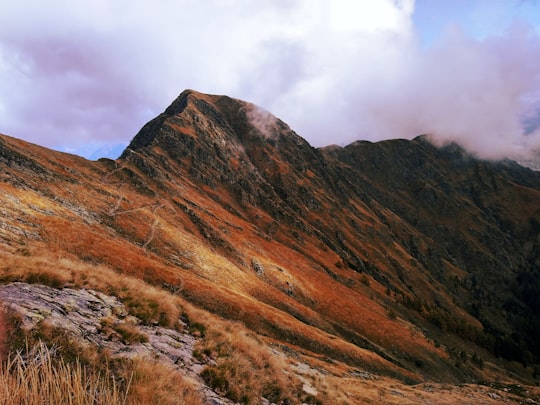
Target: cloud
[
  {"x": 475, "y": 92},
  {"x": 336, "y": 71},
  {"x": 482, "y": 93}
]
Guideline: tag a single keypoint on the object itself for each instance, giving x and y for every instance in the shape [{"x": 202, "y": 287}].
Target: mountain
[{"x": 393, "y": 261}]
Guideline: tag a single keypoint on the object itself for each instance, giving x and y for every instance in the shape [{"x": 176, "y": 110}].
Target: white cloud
[{"x": 73, "y": 75}]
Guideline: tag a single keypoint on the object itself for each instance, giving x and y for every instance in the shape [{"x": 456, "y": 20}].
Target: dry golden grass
[
  {"x": 36, "y": 377},
  {"x": 156, "y": 383},
  {"x": 241, "y": 365},
  {"x": 136, "y": 381},
  {"x": 246, "y": 364},
  {"x": 245, "y": 369},
  {"x": 41, "y": 376},
  {"x": 147, "y": 302}
]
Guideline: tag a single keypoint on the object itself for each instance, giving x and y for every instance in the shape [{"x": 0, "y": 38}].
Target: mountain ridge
[{"x": 396, "y": 256}]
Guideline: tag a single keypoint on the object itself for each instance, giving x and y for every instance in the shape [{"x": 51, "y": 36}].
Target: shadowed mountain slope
[{"x": 398, "y": 257}]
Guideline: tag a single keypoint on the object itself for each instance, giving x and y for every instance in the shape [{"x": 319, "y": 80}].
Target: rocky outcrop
[{"x": 97, "y": 319}]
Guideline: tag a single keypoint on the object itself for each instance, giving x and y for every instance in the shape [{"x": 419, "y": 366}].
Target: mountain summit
[
  {"x": 233, "y": 146},
  {"x": 396, "y": 259},
  {"x": 212, "y": 120}
]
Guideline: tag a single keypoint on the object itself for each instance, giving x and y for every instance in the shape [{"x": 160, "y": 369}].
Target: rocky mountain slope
[{"x": 397, "y": 258}]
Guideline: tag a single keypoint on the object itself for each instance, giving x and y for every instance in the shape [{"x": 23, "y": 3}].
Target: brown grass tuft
[
  {"x": 36, "y": 377},
  {"x": 157, "y": 383},
  {"x": 244, "y": 368}
]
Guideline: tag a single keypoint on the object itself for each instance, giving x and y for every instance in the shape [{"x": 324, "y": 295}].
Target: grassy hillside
[{"x": 369, "y": 266}]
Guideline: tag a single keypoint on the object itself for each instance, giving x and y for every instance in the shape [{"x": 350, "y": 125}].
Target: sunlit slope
[{"x": 391, "y": 256}]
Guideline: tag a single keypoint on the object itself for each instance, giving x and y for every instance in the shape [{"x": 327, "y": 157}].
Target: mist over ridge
[{"x": 335, "y": 71}]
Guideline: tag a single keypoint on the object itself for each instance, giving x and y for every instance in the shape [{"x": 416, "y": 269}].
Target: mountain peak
[
  {"x": 212, "y": 119},
  {"x": 181, "y": 102}
]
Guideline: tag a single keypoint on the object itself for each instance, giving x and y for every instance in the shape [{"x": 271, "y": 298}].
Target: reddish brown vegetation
[{"x": 376, "y": 255}]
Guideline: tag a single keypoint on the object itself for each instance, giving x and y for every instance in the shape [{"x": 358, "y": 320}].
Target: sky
[{"x": 83, "y": 76}]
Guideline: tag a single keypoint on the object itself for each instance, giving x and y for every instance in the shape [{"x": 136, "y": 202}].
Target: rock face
[
  {"x": 408, "y": 251},
  {"x": 231, "y": 146},
  {"x": 97, "y": 319}
]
